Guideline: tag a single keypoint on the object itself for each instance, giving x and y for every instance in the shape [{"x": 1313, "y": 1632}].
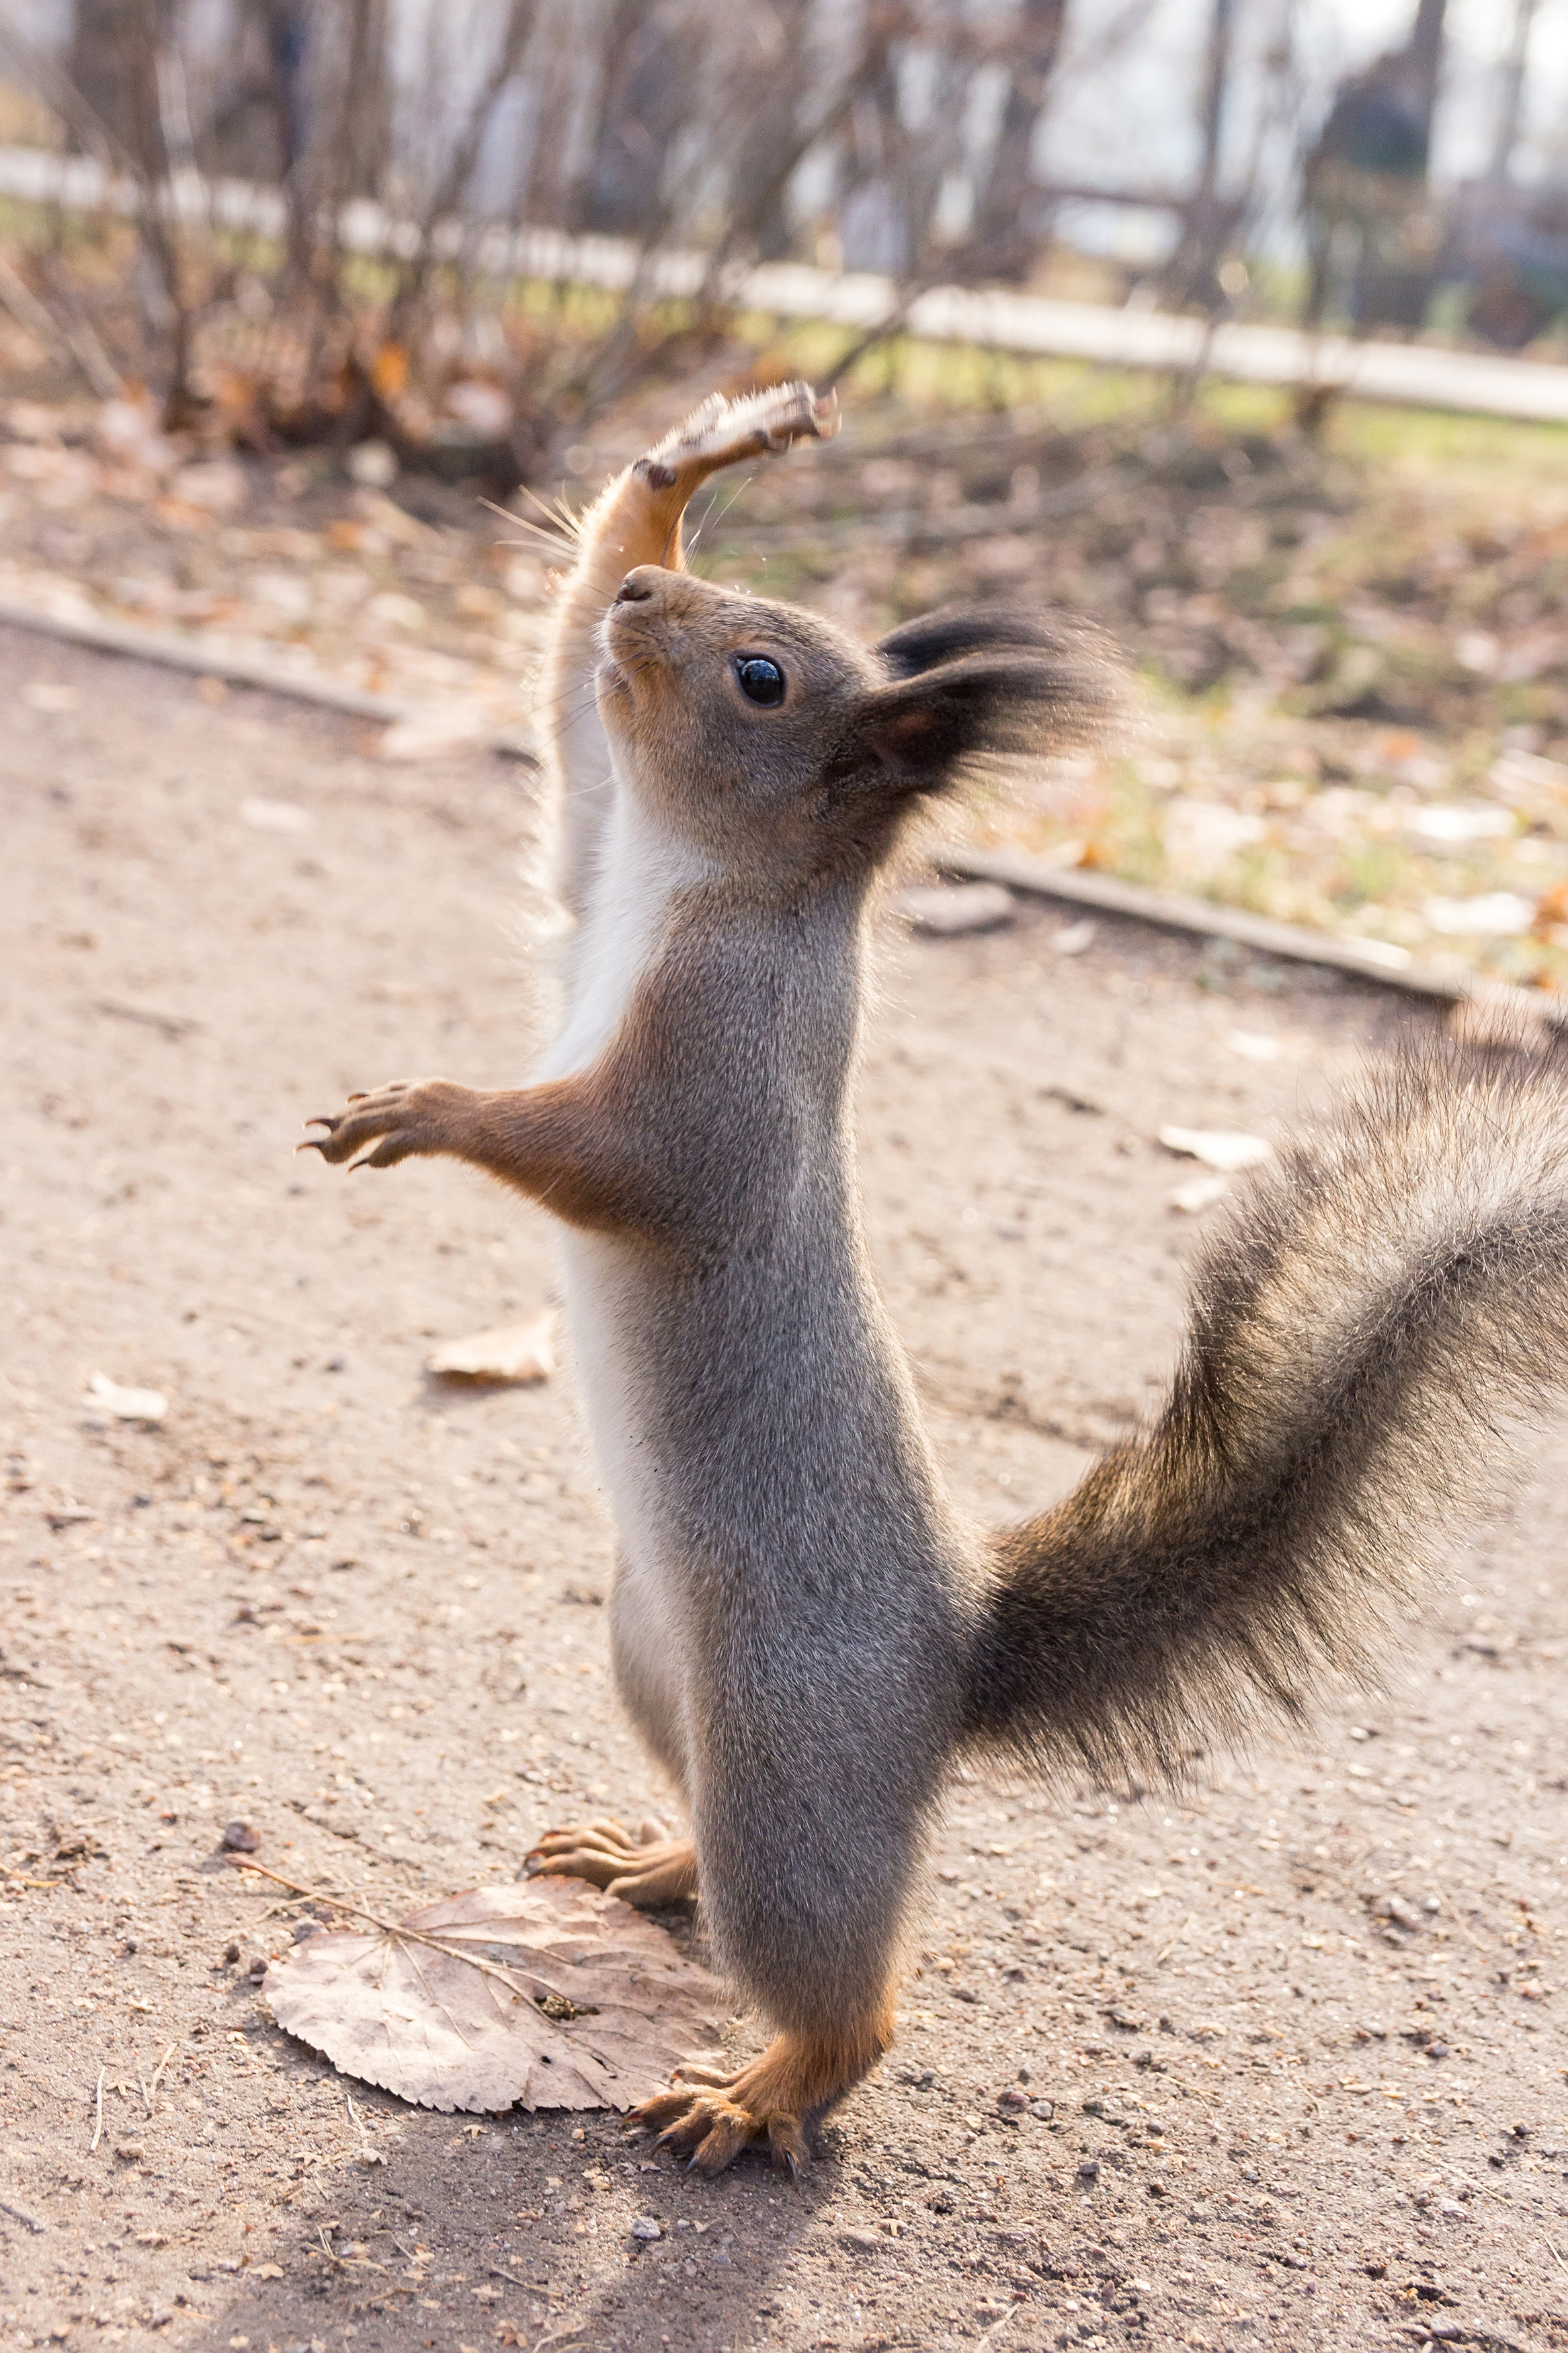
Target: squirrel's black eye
[{"x": 761, "y": 681}]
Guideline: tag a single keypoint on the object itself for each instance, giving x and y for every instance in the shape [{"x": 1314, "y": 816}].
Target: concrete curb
[
  {"x": 1370, "y": 960},
  {"x": 210, "y": 657}
]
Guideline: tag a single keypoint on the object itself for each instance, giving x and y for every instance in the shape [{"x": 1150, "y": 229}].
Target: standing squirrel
[{"x": 807, "y": 1633}]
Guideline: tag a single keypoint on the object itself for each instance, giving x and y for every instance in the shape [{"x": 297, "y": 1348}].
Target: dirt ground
[{"x": 1165, "y": 2076}]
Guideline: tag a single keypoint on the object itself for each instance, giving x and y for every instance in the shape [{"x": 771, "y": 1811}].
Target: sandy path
[{"x": 364, "y": 1614}]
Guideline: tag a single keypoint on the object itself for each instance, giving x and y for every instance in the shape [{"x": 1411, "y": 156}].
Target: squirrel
[{"x": 807, "y": 1633}]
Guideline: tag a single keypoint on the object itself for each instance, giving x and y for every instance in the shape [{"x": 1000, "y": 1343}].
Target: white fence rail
[{"x": 1415, "y": 375}]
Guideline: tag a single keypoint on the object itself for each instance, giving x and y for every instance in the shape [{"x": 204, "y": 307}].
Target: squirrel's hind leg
[
  {"x": 709, "y": 2119},
  {"x": 649, "y": 1869}
]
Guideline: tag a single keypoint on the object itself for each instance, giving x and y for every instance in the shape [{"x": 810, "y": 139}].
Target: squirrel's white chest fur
[{"x": 639, "y": 869}]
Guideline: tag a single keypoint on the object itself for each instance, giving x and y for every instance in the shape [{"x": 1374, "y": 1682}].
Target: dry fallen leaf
[
  {"x": 446, "y": 2006},
  {"x": 511, "y": 1352},
  {"x": 440, "y": 727},
  {"x": 275, "y": 816},
  {"x": 945, "y": 909},
  {"x": 1498, "y": 914},
  {"x": 1199, "y": 1193},
  {"x": 1218, "y": 1148},
  {"x": 125, "y": 1405}
]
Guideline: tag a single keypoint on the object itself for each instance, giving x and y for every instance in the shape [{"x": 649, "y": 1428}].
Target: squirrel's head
[{"x": 779, "y": 745}]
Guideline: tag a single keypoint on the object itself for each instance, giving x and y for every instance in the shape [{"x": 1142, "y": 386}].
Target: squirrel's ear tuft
[
  {"x": 976, "y": 685},
  {"x": 956, "y": 632}
]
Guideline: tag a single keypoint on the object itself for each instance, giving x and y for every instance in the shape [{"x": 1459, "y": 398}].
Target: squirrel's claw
[
  {"x": 709, "y": 2128},
  {"x": 398, "y": 1121}
]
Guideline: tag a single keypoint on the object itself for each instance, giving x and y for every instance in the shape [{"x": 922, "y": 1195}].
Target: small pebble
[
  {"x": 1044, "y": 2109},
  {"x": 646, "y": 2227},
  {"x": 231, "y": 1953},
  {"x": 1012, "y": 2099},
  {"x": 241, "y": 1837},
  {"x": 1090, "y": 2170},
  {"x": 865, "y": 2243},
  {"x": 257, "y": 1966},
  {"x": 131, "y": 2150}
]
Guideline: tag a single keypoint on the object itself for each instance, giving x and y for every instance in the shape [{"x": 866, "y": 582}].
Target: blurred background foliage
[{"x": 287, "y": 288}]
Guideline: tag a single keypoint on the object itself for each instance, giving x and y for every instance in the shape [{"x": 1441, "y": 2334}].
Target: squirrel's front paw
[
  {"x": 723, "y": 432},
  {"x": 424, "y": 1117}
]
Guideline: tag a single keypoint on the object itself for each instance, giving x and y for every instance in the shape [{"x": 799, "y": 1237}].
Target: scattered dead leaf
[
  {"x": 459, "y": 2006},
  {"x": 946, "y": 908},
  {"x": 511, "y": 1352},
  {"x": 1226, "y": 1149},
  {"x": 125, "y": 1405}
]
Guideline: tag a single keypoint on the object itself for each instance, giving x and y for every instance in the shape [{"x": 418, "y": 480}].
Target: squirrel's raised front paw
[
  {"x": 422, "y": 1116},
  {"x": 723, "y": 432}
]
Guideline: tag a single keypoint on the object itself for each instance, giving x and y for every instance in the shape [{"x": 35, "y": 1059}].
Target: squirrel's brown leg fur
[
  {"x": 559, "y": 1143},
  {"x": 709, "y": 2119},
  {"x": 651, "y": 1871}
]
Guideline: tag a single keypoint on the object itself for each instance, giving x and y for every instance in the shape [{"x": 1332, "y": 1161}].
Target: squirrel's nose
[{"x": 637, "y": 588}]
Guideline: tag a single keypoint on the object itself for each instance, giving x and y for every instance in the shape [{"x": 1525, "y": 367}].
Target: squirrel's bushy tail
[{"x": 1375, "y": 1314}]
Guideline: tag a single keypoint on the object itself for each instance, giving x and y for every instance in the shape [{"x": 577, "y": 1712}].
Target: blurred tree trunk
[
  {"x": 113, "y": 65},
  {"x": 1511, "y": 98},
  {"x": 1424, "y": 51},
  {"x": 644, "y": 97},
  {"x": 1005, "y": 234},
  {"x": 1208, "y": 222},
  {"x": 767, "y": 158}
]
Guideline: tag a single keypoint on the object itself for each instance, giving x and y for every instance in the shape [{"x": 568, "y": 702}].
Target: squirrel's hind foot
[
  {"x": 709, "y": 2119},
  {"x": 709, "y": 2127},
  {"x": 649, "y": 1869}
]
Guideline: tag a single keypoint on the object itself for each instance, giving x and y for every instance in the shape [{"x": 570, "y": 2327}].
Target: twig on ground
[
  {"x": 368, "y": 2153},
  {"x": 1176, "y": 1938},
  {"x": 16, "y": 2215},
  {"x": 998, "y": 2325},
  {"x": 23, "y": 1881},
  {"x": 98, "y": 2126},
  {"x": 147, "y": 2090}
]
